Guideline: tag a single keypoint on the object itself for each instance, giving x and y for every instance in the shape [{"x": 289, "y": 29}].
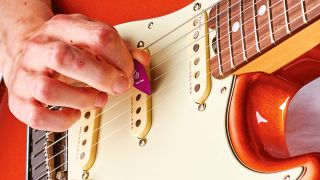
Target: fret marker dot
[
  {"x": 235, "y": 26},
  {"x": 262, "y": 10}
]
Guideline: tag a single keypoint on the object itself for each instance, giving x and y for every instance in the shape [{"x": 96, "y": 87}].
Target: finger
[
  {"x": 142, "y": 56},
  {"x": 37, "y": 116},
  {"x": 99, "y": 38},
  {"x": 54, "y": 92},
  {"x": 77, "y": 64}
]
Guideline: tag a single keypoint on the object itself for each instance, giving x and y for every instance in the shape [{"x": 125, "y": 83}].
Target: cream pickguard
[{"x": 183, "y": 143}]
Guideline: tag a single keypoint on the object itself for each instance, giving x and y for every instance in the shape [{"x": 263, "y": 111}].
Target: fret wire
[
  {"x": 279, "y": 28},
  {"x": 270, "y": 24},
  {"x": 241, "y": 30},
  {"x": 276, "y": 17},
  {"x": 303, "y": 11},
  {"x": 262, "y": 25},
  {"x": 209, "y": 72},
  {"x": 229, "y": 37},
  {"x": 246, "y": 22},
  {"x": 217, "y": 40},
  {"x": 255, "y": 26},
  {"x": 286, "y": 16}
]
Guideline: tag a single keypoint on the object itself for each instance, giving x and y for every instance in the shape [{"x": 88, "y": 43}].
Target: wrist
[
  {"x": 18, "y": 22},
  {"x": 17, "y": 36},
  {"x": 15, "y": 31}
]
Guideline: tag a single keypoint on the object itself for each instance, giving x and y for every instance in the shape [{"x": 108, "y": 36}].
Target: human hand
[{"x": 64, "y": 48}]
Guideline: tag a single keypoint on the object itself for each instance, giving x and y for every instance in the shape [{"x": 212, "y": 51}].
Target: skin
[{"x": 43, "y": 55}]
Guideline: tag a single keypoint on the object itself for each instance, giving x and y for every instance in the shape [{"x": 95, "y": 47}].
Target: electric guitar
[{"x": 222, "y": 75}]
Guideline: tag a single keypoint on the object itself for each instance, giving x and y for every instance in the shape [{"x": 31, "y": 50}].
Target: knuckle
[
  {"x": 38, "y": 39},
  {"x": 106, "y": 83},
  {"x": 84, "y": 105},
  {"x": 59, "y": 17},
  {"x": 65, "y": 125},
  {"x": 79, "y": 63},
  {"x": 106, "y": 35},
  {"x": 30, "y": 45},
  {"x": 78, "y": 15},
  {"x": 42, "y": 91},
  {"x": 58, "y": 54},
  {"x": 34, "y": 118},
  {"x": 101, "y": 83}
]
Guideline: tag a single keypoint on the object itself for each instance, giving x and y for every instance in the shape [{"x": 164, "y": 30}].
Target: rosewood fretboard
[{"x": 246, "y": 29}]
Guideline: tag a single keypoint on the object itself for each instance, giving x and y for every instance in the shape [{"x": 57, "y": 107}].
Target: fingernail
[
  {"x": 120, "y": 85},
  {"x": 101, "y": 100}
]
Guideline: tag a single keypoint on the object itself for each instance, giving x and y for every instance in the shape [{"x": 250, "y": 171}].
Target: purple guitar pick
[{"x": 141, "y": 81}]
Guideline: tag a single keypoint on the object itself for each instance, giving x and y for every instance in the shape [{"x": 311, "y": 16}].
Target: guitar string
[
  {"x": 171, "y": 69},
  {"x": 119, "y": 129},
  {"x": 181, "y": 25},
  {"x": 114, "y": 118},
  {"x": 122, "y": 100},
  {"x": 300, "y": 16},
  {"x": 208, "y": 46},
  {"x": 165, "y": 72},
  {"x": 165, "y": 60},
  {"x": 222, "y": 37},
  {"x": 208, "y": 8},
  {"x": 202, "y": 24},
  {"x": 229, "y": 7},
  {"x": 196, "y": 16},
  {"x": 156, "y": 105}
]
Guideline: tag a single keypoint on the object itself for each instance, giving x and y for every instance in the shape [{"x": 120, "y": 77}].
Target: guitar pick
[{"x": 141, "y": 80}]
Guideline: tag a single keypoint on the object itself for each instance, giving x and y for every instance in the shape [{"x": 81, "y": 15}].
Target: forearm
[{"x": 18, "y": 18}]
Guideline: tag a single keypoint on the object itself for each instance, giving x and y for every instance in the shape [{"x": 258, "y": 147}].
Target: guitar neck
[{"x": 247, "y": 29}]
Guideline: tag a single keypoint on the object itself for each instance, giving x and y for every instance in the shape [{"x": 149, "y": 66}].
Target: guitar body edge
[
  {"x": 255, "y": 128},
  {"x": 257, "y": 117},
  {"x": 180, "y": 145}
]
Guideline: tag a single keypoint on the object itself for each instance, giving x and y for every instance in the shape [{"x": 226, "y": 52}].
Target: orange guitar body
[
  {"x": 257, "y": 116},
  {"x": 12, "y": 131},
  {"x": 257, "y": 98}
]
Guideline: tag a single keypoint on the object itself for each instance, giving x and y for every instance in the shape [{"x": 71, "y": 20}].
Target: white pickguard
[{"x": 183, "y": 143}]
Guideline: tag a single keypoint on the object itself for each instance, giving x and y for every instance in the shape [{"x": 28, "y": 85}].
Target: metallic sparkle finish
[{"x": 257, "y": 117}]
